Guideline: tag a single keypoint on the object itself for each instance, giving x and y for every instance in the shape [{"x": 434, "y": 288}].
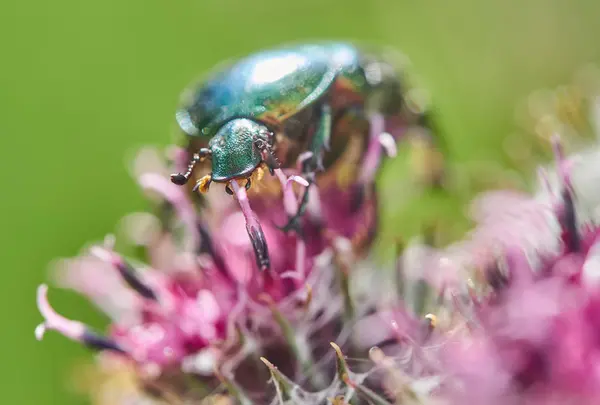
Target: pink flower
[
  {"x": 536, "y": 338},
  {"x": 205, "y": 304}
]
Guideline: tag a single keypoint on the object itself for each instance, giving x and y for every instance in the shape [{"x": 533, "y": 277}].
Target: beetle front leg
[
  {"x": 320, "y": 142},
  {"x": 268, "y": 156},
  {"x": 314, "y": 163}
]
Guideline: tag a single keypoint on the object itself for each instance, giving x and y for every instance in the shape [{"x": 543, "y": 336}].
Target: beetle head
[{"x": 236, "y": 151}]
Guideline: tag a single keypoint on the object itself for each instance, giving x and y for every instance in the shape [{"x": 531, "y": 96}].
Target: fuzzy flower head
[
  {"x": 228, "y": 306},
  {"x": 530, "y": 309},
  {"x": 513, "y": 307},
  {"x": 201, "y": 313}
]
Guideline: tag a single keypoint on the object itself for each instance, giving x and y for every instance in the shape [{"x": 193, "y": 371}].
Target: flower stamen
[
  {"x": 257, "y": 236},
  {"x": 73, "y": 330},
  {"x": 126, "y": 271}
]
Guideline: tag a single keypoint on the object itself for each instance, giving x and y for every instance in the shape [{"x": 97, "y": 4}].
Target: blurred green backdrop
[{"x": 83, "y": 83}]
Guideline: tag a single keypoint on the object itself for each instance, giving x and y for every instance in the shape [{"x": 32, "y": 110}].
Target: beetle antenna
[{"x": 181, "y": 178}]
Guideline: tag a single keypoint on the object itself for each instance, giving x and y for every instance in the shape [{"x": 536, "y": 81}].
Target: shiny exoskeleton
[{"x": 271, "y": 108}]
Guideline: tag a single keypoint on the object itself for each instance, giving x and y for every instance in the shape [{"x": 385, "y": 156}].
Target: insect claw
[
  {"x": 313, "y": 164},
  {"x": 248, "y": 184},
  {"x": 228, "y": 189},
  {"x": 268, "y": 157}
]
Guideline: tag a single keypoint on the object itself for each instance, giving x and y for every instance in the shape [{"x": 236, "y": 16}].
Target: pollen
[
  {"x": 258, "y": 174},
  {"x": 432, "y": 319},
  {"x": 265, "y": 186},
  {"x": 204, "y": 183}
]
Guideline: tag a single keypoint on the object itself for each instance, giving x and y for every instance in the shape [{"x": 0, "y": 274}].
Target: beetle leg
[
  {"x": 271, "y": 161},
  {"x": 293, "y": 223},
  {"x": 320, "y": 141},
  {"x": 318, "y": 146},
  {"x": 267, "y": 156},
  {"x": 181, "y": 178}
]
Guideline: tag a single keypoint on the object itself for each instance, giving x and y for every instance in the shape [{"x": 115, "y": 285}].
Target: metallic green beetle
[{"x": 242, "y": 113}]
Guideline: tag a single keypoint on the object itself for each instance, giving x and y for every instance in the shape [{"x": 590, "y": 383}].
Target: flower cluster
[
  {"x": 200, "y": 315},
  {"x": 531, "y": 306},
  {"x": 509, "y": 315}
]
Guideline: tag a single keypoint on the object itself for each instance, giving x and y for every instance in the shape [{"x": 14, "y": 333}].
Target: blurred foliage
[{"x": 85, "y": 83}]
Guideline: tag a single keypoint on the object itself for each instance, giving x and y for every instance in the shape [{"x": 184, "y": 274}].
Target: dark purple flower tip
[{"x": 126, "y": 271}]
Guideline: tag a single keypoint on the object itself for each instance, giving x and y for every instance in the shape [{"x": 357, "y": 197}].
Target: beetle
[{"x": 270, "y": 108}]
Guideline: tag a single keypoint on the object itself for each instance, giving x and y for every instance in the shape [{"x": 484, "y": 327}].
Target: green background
[{"x": 84, "y": 82}]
